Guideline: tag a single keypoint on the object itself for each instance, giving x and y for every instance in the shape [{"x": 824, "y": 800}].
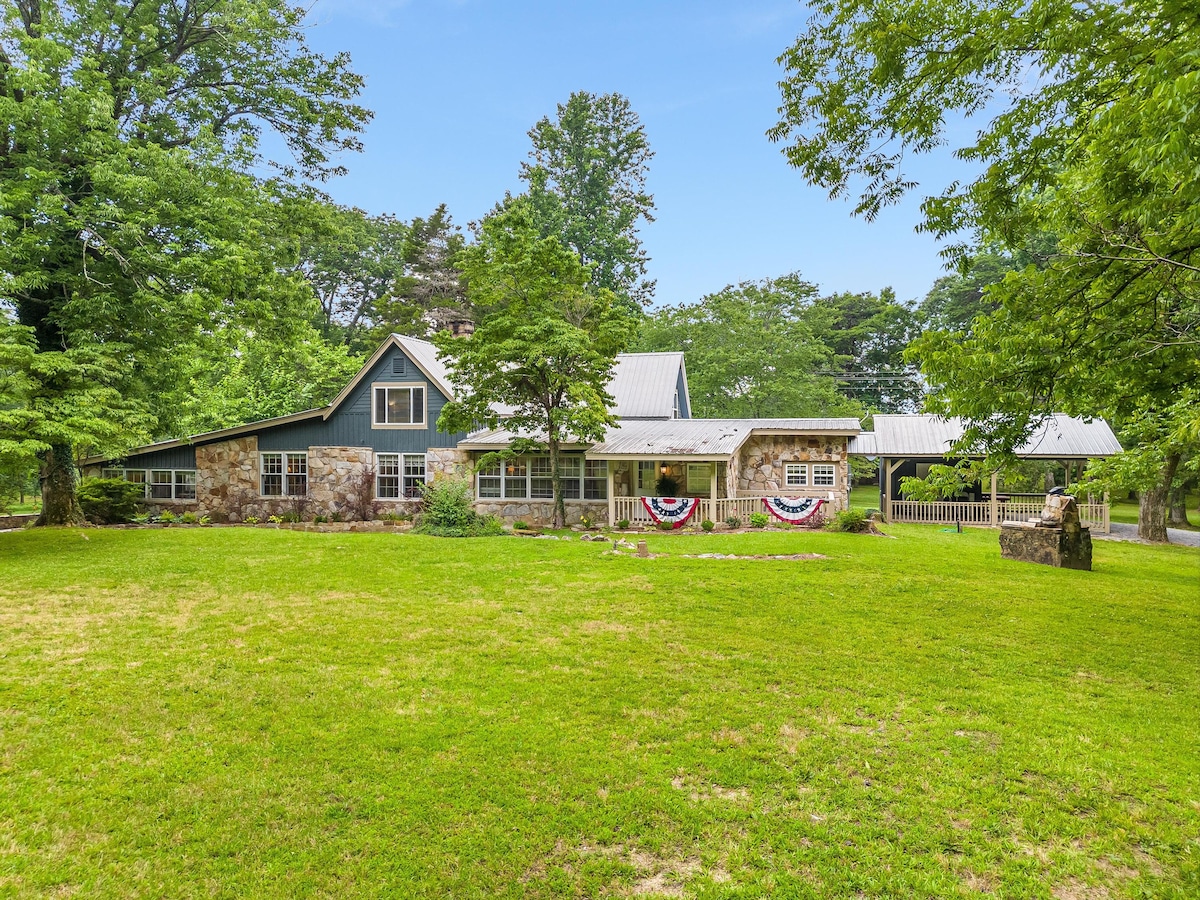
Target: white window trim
[
  {"x": 384, "y": 385},
  {"x": 832, "y": 475},
  {"x": 708, "y": 477},
  {"x": 399, "y": 476},
  {"x": 174, "y": 473},
  {"x": 580, "y": 481},
  {"x": 404, "y": 472},
  {"x": 801, "y": 470},
  {"x": 283, "y": 474}
]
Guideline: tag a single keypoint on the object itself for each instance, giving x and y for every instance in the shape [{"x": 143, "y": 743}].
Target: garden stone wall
[
  {"x": 541, "y": 512},
  {"x": 762, "y": 459}
]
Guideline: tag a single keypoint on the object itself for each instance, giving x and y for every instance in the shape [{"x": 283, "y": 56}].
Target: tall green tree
[
  {"x": 1090, "y": 138},
  {"x": 868, "y": 335},
  {"x": 751, "y": 351},
  {"x": 543, "y": 351},
  {"x": 587, "y": 184},
  {"x": 130, "y": 217}
]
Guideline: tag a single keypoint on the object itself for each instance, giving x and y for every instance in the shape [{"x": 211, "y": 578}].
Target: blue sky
[{"x": 456, "y": 84}]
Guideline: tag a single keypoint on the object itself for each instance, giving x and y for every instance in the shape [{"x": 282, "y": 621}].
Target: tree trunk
[
  {"x": 1177, "y": 514},
  {"x": 559, "y": 517},
  {"x": 1152, "y": 510},
  {"x": 60, "y": 506}
]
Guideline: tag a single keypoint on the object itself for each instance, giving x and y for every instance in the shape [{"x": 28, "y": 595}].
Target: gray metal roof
[
  {"x": 662, "y": 438},
  {"x": 1059, "y": 437},
  {"x": 643, "y": 384},
  {"x": 705, "y": 437}
]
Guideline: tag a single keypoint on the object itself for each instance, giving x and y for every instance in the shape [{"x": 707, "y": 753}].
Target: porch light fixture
[{"x": 664, "y": 469}]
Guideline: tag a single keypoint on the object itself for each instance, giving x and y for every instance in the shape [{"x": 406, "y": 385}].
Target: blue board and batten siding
[
  {"x": 681, "y": 392},
  {"x": 348, "y": 426}
]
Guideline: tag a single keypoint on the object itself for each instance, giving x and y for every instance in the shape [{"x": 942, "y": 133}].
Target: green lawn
[{"x": 260, "y": 713}]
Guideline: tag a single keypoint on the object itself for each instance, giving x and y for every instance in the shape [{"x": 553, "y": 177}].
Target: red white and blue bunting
[
  {"x": 792, "y": 511},
  {"x": 674, "y": 510}
]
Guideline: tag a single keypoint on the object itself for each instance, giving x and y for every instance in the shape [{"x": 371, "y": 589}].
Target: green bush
[
  {"x": 447, "y": 512},
  {"x": 109, "y": 501},
  {"x": 733, "y": 522},
  {"x": 708, "y": 525},
  {"x": 252, "y": 520},
  {"x": 520, "y": 525},
  {"x": 665, "y": 526},
  {"x": 189, "y": 518},
  {"x": 623, "y": 524},
  {"x": 168, "y": 518},
  {"x": 759, "y": 520},
  {"x": 852, "y": 520}
]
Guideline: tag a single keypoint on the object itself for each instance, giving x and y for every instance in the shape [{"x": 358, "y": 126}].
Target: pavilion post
[
  {"x": 612, "y": 497},
  {"x": 712, "y": 494},
  {"x": 995, "y": 505}
]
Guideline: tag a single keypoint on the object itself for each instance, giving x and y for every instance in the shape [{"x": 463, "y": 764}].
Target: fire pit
[{"x": 1055, "y": 538}]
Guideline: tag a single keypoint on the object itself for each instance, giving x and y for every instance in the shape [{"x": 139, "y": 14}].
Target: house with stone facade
[{"x": 377, "y": 443}]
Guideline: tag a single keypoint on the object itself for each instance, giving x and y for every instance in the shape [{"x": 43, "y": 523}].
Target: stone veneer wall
[
  {"x": 447, "y": 462},
  {"x": 762, "y": 459},
  {"x": 541, "y": 512},
  {"x": 227, "y": 480}
]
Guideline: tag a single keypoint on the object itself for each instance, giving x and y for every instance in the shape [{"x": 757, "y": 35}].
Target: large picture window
[
  {"x": 822, "y": 476},
  {"x": 283, "y": 474},
  {"x": 398, "y": 405},
  {"x": 531, "y": 477}
]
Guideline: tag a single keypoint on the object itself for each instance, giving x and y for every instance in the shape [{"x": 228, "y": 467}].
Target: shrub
[
  {"x": 109, "y": 501},
  {"x": 141, "y": 518},
  {"x": 623, "y": 524},
  {"x": 252, "y": 520},
  {"x": 206, "y": 520},
  {"x": 666, "y": 486},
  {"x": 320, "y": 520},
  {"x": 447, "y": 512},
  {"x": 520, "y": 525},
  {"x": 733, "y": 522},
  {"x": 292, "y": 517},
  {"x": 852, "y": 520},
  {"x": 189, "y": 518},
  {"x": 336, "y": 517},
  {"x": 275, "y": 520},
  {"x": 665, "y": 526},
  {"x": 759, "y": 519},
  {"x": 708, "y": 525},
  {"x": 168, "y": 518}
]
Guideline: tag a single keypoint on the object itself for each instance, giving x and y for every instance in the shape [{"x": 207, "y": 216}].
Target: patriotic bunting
[
  {"x": 792, "y": 511},
  {"x": 674, "y": 510}
]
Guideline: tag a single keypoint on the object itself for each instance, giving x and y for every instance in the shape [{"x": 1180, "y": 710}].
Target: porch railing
[
  {"x": 719, "y": 510},
  {"x": 948, "y": 512}
]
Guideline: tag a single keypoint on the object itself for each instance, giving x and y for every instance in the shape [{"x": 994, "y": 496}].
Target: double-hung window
[
  {"x": 516, "y": 472},
  {"x": 398, "y": 405},
  {"x": 133, "y": 476},
  {"x": 647, "y": 476},
  {"x": 595, "y": 479},
  {"x": 490, "y": 482},
  {"x": 283, "y": 474},
  {"x": 822, "y": 476},
  {"x": 387, "y": 476},
  {"x": 168, "y": 484},
  {"x": 541, "y": 478},
  {"x": 795, "y": 475},
  {"x": 414, "y": 474},
  {"x": 570, "y": 470}
]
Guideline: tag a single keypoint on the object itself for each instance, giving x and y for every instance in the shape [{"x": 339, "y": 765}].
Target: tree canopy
[
  {"x": 1089, "y": 136},
  {"x": 587, "y": 186},
  {"x": 544, "y": 347},
  {"x": 132, "y": 217}
]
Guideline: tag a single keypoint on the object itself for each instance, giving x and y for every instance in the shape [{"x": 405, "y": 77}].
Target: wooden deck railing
[
  {"x": 719, "y": 510},
  {"x": 948, "y": 512}
]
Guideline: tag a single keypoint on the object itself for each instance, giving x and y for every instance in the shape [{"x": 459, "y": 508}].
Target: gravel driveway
[{"x": 1123, "y": 532}]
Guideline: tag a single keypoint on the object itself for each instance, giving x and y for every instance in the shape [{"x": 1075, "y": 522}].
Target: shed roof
[{"x": 1059, "y": 437}]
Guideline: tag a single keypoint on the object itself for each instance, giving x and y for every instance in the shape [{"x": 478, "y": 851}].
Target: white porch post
[
  {"x": 712, "y": 494},
  {"x": 889, "y": 469},
  {"x": 612, "y": 497},
  {"x": 995, "y": 506}
]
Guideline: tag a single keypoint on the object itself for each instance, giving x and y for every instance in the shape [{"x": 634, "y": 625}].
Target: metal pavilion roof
[{"x": 1059, "y": 437}]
